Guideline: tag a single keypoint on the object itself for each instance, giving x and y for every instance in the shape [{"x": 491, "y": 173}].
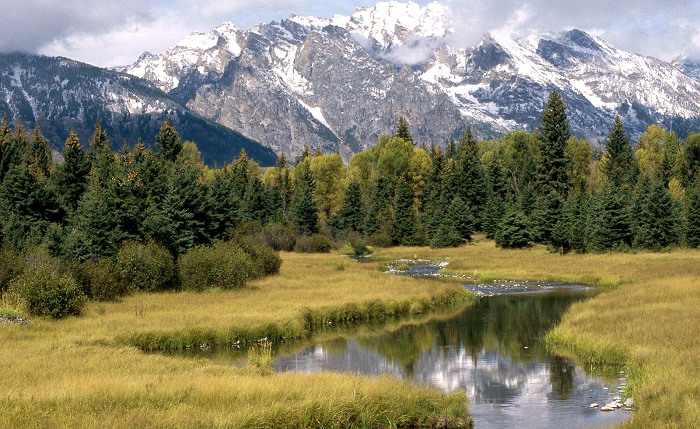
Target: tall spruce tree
[
  {"x": 71, "y": 176},
  {"x": 305, "y": 208},
  {"x": 514, "y": 231},
  {"x": 692, "y": 215},
  {"x": 39, "y": 153},
  {"x": 619, "y": 165},
  {"x": 553, "y": 171},
  {"x": 404, "y": 216},
  {"x": 470, "y": 176},
  {"x": 168, "y": 142},
  {"x": 657, "y": 216},
  {"x": 351, "y": 216},
  {"x": 609, "y": 220},
  {"x": 403, "y": 131}
]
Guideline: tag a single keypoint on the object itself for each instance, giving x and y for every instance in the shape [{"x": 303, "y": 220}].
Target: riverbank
[
  {"x": 647, "y": 318},
  {"x": 89, "y": 371}
]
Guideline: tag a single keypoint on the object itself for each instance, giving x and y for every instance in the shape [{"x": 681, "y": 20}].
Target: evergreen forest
[{"x": 101, "y": 209}]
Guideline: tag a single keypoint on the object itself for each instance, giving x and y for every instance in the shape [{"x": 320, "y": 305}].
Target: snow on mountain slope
[
  {"x": 500, "y": 84},
  {"x": 201, "y": 54}
]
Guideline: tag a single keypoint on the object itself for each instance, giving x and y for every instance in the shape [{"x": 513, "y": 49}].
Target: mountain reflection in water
[{"x": 494, "y": 351}]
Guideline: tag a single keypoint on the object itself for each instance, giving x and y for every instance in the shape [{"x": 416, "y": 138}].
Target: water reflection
[{"x": 493, "y": 351}]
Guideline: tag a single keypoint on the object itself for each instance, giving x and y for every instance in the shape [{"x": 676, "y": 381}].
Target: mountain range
[{"x": 339, "y": 83}]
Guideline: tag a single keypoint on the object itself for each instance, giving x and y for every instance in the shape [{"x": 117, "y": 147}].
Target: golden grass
[
  {"x": 650, "y": 323},
  {"x": 81, "y": 372}
]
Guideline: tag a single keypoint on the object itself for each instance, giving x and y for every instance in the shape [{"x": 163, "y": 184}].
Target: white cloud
[{"x": 109, "y": 32}]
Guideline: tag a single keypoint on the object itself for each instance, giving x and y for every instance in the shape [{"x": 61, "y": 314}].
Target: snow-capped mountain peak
[
  {"x": 339, "y": 82},
  {"x": 390, "y": 24}
]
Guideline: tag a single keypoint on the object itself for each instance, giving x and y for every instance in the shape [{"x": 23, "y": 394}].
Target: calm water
[{"x": 494, "y": 351}]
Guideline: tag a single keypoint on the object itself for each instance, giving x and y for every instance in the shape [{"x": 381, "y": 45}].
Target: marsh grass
[
  {"x": 85, "y": 371},
  {"x": 646, "y": 320}
]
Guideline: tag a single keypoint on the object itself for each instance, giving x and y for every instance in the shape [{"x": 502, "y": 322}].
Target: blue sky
[{"x": 110, "y": 33}]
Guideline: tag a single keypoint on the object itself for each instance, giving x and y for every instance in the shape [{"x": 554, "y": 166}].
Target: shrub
[
  {"x": 11, "y": 266},
  {"x": 146, "y": 267},
  {"x": 380, "y": 239},
  {"x": 100, "y": 280},
  {"x": 316, "y": 243},
  {"x": 223, "y": 265},
  {"x": 279, "y": 236},
  {"x": 46, "y": 292},
  {"x": 264, "y": 260}
]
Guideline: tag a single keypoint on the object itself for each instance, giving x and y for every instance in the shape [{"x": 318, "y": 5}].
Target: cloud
[
  {"x": 121, "y": 44},
  {"x": 110, "y": 32},
  {"x": 28, "y": 25},
  {"x": 648, "y": 27}
]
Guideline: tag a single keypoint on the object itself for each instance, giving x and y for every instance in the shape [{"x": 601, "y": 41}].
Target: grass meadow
[{"x": 92, "y": 371}]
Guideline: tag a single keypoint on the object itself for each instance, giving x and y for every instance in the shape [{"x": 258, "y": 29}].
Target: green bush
[
  {"x": 264, "y": 260},
  {"x": 279, "y": 236},
  {"x": 11, "y": 266},
  {"x": 100, "y": 280},
  {"x": 223, "y": 265},
  {"x": 46, "y": 292},
  {"x": 380, "y": 239},
  {"x": 316, "y": 243},
  {"x": 146, "y": 267}
]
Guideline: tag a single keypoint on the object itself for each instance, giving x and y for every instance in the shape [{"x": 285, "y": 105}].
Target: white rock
[
  {"x": 629, "y": 403},
  {"x": 607, "y": 408},
  {"x": 593, "y": 405}
]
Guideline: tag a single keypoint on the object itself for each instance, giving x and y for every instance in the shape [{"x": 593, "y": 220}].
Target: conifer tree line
[{"x": 544, "y": 187}]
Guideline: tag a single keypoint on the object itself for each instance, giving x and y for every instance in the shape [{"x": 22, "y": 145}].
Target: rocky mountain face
[
  {"x": 60, "y": 94},
  {"x": 338, "y": 83}
]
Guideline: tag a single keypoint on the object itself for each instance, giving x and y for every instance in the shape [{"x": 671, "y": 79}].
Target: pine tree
[
  {"x": 305, "y": 210},
  {"x": 39, "y": 153},
  {"x": 514, "y": 231},
  {"x": 619, "y": 166},
  {"x": 252, "y": 206},
  {"x": 609, "y": 220},
  {"x": 576, "y": 218},
  {"x": 26, "y": 203},
  {"x": 657, "y": 216},
  {"x": 224, "y": 204},
  {"x": 93, "y": 227},
  {"x": 184, "y": 219},
  {"x": 553, "y": 171},
  {"x": 547, "y": 214},
  {"x": 692, "y": 215},
  {"x": 168, "y": 142},
  {"x": 15, "y": 147},
  {"x": 402, "y": 130},
  {"x": 351, "y": 216},
  {"x": 379, "y": 210},
  {"x": 404, "y": 216},
  {"x": 470, "y": 175},
  {"x": 446, "y": 235},
  {"x": 692, "y": 159},
  {"x": 71, "y": 176},
  {"x": 460, "y": 215},
  {"x": 102, "y": 156}
]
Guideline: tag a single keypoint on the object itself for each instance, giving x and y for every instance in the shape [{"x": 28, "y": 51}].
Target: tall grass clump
[
  {"x": 146, "y": 267},
  {"x": 224, "y": 265}
]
